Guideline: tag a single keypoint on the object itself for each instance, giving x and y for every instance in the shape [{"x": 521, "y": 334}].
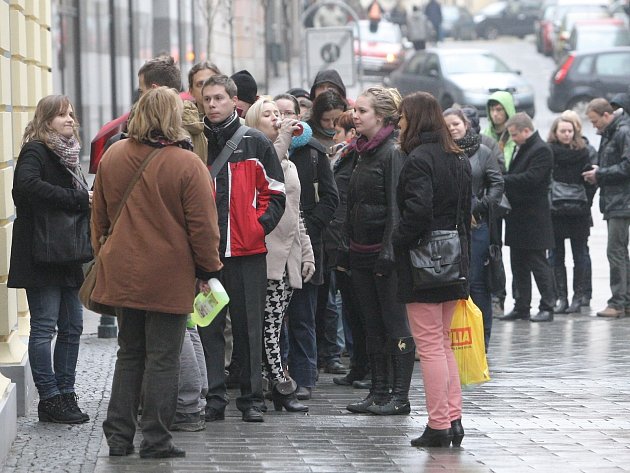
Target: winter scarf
[
  {"x": 469, "y": 144},
  {"x": 218, "y": 134},
  {"x": 363, "y": 145},
  {"x": 68, "y": 150}
]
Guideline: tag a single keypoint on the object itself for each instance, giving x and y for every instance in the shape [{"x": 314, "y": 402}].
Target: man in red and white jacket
[{"x": 250, "y": 202}]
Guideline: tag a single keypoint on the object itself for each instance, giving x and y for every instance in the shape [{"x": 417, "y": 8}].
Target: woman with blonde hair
[
  {"x": 435, "y": 188},
  {"x": 290, "y": 259},
  {"x": 571, "y": 157},
  {"x": 372, "y": 216},
  {"x": 47, "y": 177},
  {"x": 166, "y": 238}
]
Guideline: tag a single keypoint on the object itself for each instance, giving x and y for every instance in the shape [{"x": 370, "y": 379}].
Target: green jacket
[{"x": 505, "y": 142}]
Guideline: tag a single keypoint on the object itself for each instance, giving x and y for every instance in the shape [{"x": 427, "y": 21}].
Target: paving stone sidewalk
[{"x": 559, "y": 401}]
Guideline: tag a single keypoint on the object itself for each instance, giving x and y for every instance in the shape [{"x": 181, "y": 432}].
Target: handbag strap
[
  {"x": 79, "y": 177},
  {"x": 132, "y": 183},
  {"x": 460, "y": 172},
  {"x": 227, "y": 150}
]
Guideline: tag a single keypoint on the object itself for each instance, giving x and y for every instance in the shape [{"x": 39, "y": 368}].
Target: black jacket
[
  {"x": 527, "y": 181},
  {"x": 41, "y": 182},
  {"x": 333, "y": 237},
  {"x": 568, "y": 166},
  {"x": 427, "y": 195},
  {"x": 372, "y": 213},
  {"x": 487, "y": 183},
  {"x": 318, "y": 198},
  {"x": 613, "y": 175}
]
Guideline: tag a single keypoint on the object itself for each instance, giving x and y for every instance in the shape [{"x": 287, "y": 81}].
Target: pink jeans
[{"x": 430, "y": 325}]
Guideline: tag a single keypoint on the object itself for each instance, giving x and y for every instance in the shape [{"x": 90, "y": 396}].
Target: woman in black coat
[
  {"x": 371, "y": 217},
  {"x": 434, "y": 187},
  {"x": 571, "y": 157},
  {"x": 487, "y": 187},
  {"x": 48, "y": 176}
]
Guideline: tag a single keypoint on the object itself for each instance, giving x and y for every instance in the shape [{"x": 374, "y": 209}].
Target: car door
[
  {"x": 611, "y": 72},
  {"x": 407, "y": 80},
  {"x": 431, "y": 79}
]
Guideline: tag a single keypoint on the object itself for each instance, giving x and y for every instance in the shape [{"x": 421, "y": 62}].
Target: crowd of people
[{"x": 305, "y": 206}]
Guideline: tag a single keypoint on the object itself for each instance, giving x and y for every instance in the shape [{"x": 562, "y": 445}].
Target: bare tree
[{"x": 209, "y": 10}]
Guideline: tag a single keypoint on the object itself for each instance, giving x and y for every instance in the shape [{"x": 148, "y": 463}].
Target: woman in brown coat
[{"x": 166, "y": 235}]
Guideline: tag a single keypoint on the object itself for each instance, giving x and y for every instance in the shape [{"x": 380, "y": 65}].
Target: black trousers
[
  {"x": 526, "y": 262},
  {"x": 385, "y": 317},
  {"x": 245, "y": 281},
  {"x": 354, "y": 317}
]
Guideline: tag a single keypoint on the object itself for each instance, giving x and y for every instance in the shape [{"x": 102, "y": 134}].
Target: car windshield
[
  {"x": 386, "y": 32},
  {"x": 450, "y": 13},
  {"x": 562, "y": 10},
  {"x": 472, "y": 63},
  {"x": 602, "y": 38},
  {"x": 492, "y": 9}
]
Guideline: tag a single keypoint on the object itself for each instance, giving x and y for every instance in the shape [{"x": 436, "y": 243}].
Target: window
[
  {"x": 614, "y": 64},
  {"x": 414, "y": 65},
  {"x": 432, "y": 64}
]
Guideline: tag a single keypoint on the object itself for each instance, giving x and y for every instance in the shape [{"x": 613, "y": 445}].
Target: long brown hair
[
  {"x": 47, "y": 109},
  {"x": 423, "y": 114},
  {"x": 578, "y": 141}
]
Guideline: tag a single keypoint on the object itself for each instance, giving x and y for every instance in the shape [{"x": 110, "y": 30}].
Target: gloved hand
[{"x": 308, "y": 269}]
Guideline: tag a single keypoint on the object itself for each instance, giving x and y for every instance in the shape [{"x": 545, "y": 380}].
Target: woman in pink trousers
[{"x": 434, "y": 188}]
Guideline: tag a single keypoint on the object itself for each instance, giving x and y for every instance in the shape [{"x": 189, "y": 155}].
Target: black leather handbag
[
  {"x": 62, "y": 236},
  {"x": 568, "y": 199},
  {"x": 436, "y": 260}
]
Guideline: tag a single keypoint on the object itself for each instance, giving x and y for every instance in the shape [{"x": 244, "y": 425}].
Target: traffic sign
[{"x": 330, "y": 48}]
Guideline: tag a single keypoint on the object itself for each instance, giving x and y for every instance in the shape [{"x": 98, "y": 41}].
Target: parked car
[
  {"x": 563, "y": 31},
  {"x": 597, "y": 34},
  {"x": 548, "y": 26},
  {"x": 457, "y": 23},
  {"x": 509, "y": 17},
  {"x": 585, "y": 75},
  {"x": 462, "y": 76},
  {"x": 382, "y": 50}
]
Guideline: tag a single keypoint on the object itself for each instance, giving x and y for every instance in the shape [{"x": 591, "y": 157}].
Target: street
[{"x": 559, "y": 398}]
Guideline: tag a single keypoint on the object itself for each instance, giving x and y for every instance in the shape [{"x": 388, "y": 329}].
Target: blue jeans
[
  {"x": 302, "y": 339},
  {"x": 54, "y": 308},
  {"x": 479, "y": 291}
]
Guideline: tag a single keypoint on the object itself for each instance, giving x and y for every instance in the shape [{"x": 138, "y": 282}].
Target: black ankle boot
[
  {"x": 71, "y": 400},
  {"x": 55, "y": 409},
  {"x": 379, "y": 392},
  {"x": 283, "y": 395},
  {"x": 403, "y": 359},
  {"x": 433, "y": 438},
  {"x": 562, "y": 303},
  {"x": 458, "y": 432}
]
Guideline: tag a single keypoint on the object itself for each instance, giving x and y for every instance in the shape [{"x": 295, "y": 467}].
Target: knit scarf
[
  {"x": 363, "y": 145},
  {"x": 218, "y": 134},
  {"x": 68, "y": 150},
  {"x": 157, "y": 140},
  {"x": 470, "y": 143}
]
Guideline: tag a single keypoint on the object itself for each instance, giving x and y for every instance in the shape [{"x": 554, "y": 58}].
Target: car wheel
[
  {"x": 579, "y": 104},
  {"x": 491, "y": 32},
  {"x": 446, "y": 102}
]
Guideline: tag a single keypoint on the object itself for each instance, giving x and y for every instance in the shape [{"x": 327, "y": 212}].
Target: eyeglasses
[{"x": 288, "y": 114}]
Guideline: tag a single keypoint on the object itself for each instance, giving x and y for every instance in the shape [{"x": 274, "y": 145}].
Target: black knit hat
[
  {"x": 247, "y": 90},
  {"x": 297, "y": 93}
]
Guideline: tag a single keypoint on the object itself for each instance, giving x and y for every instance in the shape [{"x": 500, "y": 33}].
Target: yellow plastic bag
[{"x": 468, "y": 345}]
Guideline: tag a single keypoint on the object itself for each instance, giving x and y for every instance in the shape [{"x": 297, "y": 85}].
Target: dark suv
[
  {"x": 587, "y": 75},
  {"x": 511, "y": 17}
]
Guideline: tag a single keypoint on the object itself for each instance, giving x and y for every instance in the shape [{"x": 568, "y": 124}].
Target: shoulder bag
[
  {"x": 436, "y": 260},
  {"x": 567, "y": 199},
  {"x": 61, "y": 236},
  {"x": 91, "y": 271}
]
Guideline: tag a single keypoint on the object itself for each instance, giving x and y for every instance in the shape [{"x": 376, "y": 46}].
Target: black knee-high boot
[
  {"x": 403, "y": 359},
  {"x": 379, "y": 392}
]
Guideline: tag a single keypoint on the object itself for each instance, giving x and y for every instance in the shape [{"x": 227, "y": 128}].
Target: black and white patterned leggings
[{"x": 278, "y": 297}]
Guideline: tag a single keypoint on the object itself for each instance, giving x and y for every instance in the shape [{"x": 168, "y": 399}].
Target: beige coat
[
  {"x": 192, "y": 121},
  {"x": 288, "y": 245},
  {"x": 166, "y": 235}
]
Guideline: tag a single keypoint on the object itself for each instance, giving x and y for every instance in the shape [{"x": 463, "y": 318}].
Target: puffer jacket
[
  {"x": 613, "y": 175},
  {"x": 371, "y": 201}
]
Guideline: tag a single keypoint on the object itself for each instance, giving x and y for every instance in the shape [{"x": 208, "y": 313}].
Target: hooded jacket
[
  {"x": 613, "y": 175},
  {"x": 504, "y": 140},
  {"x": 331, "y": 76}
]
